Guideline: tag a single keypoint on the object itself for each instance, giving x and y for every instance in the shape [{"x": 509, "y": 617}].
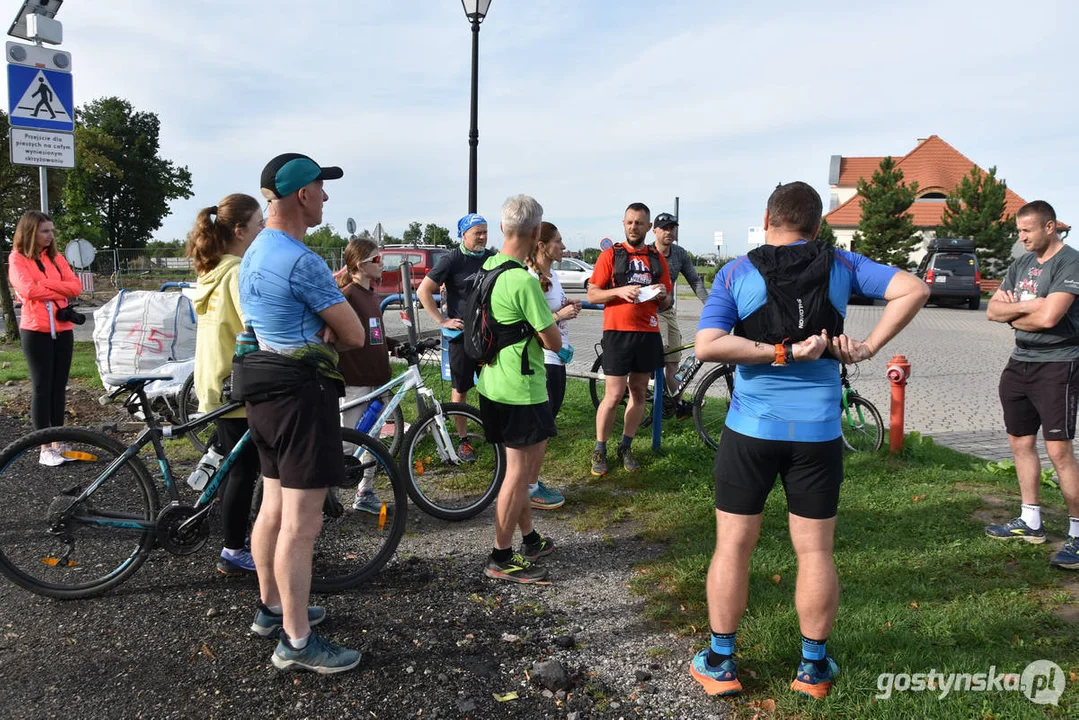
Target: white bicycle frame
[{"x": 410, "y": 379}]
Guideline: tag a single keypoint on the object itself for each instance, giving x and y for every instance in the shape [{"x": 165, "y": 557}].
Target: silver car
[{"x": 573, "y": 274}]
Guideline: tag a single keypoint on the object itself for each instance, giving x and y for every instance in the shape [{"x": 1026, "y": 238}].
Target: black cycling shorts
[
  {"x": 746, "y": 469},
  {"x": 516, "y": 426}
]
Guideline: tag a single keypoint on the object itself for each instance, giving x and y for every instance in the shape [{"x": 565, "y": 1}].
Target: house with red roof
[{"x": 935, "y": 165}]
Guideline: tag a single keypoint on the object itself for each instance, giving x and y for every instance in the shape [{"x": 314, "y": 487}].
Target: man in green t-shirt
[
  {"x": 1040, "y": 383},
  {"x": 513, "y": 405}
]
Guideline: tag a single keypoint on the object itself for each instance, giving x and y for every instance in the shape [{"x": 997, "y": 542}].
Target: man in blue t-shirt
[
  {"x": 784, "y": 420},
  {"x": 289, "y": 298}
]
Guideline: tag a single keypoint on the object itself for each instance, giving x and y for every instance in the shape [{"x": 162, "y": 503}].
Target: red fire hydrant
[{"x": 898, "y": 372}]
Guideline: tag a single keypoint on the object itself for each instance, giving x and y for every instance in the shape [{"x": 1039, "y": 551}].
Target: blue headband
[{"x": 468, "y": 222}]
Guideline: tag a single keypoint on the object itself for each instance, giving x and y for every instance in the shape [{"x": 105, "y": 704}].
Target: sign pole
[{"x": 43, "y": 179}]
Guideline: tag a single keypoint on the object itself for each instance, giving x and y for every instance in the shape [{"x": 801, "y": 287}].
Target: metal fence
[{"x": 148, "y": 269}]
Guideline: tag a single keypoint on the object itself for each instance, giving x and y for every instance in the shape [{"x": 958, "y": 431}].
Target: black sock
[
  {"x": 532, "y": 538},
  {"x": 721, "y": 648},
  {"x": 501, "y": 555},
  {"x": 601, "y": 447},
  {"x": 624, "y": 445}
]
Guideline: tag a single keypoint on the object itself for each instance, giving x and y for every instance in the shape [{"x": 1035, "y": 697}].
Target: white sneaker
[{"x": 50, "y": 457}]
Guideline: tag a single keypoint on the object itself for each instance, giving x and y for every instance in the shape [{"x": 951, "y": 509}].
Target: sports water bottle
[
  {"x": 369, "y": 416},
  {"x": 684, "y": 368},
  {"x": 246, "y": 341},
  {"x": 206, "y": 468}
]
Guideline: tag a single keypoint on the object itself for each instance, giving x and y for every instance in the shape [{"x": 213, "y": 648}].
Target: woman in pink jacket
[{"x": 44, "y": 281}]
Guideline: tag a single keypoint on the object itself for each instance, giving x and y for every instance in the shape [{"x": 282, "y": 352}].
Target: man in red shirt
[{"x": 632, "y": 281}]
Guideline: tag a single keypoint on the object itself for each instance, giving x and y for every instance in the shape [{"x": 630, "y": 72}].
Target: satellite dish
[
  {"x": 80, "y": 253},
  {"x": 350, "y": 225}
]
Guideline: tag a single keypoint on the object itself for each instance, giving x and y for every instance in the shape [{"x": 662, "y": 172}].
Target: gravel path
[{"x": 439, "y": 639}]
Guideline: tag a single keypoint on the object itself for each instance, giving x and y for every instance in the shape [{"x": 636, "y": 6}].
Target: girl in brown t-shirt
[{"x": 368, "y": 367}]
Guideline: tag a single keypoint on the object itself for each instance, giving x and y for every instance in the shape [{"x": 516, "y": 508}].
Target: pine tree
[
  {"x": 975, "y": 209},
  {"x": 826, "y": 233},
  {"x": 886, "y": 232}
]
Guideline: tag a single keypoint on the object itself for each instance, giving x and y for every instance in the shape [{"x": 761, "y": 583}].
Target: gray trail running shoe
[{"x": 318, "y": 656}]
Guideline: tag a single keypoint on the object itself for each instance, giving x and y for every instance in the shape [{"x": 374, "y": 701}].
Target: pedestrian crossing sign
[{"x": 40, "y": 98}]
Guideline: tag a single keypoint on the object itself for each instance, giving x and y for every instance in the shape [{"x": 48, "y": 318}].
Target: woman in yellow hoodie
[{"x": 217, "y": 242}]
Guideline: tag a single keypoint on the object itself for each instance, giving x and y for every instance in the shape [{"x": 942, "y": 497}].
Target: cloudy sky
[{"x": 586, "y": 104}]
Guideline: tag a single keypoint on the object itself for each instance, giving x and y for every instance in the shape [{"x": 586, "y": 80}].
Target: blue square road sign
[{"x": 40, "y": 98}]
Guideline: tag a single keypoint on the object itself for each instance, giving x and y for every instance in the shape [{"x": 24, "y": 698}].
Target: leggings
[
  {"x": 556, "y": 387},
  {"x": 240, "y": 486},
  {"x": 49, "y": 361}
]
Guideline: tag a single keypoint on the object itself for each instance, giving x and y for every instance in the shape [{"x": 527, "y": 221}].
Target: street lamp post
[{"x": 475, "y": 11}]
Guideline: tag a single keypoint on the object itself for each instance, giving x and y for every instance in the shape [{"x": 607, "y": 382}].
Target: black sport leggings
[
  {"x": 49, "y": 361},
  {"x": 556, "y": 387},
  {"x": 237, "y": 492}
]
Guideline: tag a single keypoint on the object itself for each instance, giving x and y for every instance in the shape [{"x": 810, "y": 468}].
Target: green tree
[
  {"x": 414, "y": 234},
  {"x": 826, "y": 234},
  {"x": 437, "y": 235},
  {"x": 975, "y": 210},
  {"x": 324, "y": 236},
  {"x": 590, "y": 255},
  {"x": 120, "y": 189},
  {"x": 886, "y": 232},
  {"x": 20, "y": 191}
]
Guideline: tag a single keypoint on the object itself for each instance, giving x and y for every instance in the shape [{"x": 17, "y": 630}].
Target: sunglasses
[{"x": 375, "y": 259}]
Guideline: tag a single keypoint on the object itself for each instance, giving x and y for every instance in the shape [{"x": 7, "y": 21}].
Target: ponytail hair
[
  {"x": 357, "y": 250},
  {"x": 215, "y": 228},
  {"x": 547, "y": 234}
]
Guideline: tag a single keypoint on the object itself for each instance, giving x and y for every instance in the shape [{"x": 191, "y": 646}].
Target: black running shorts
[
  {"x": 463, "y": 369},
  {"x": 298, "y": 436},
  {"x": 631, "y": 352},
  {"x": 746, "y": 469},
  {"x": 1040, "y": 394},
  {"x": 516, "y": 426}
]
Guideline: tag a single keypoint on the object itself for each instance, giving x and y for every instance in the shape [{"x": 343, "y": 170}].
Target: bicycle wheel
[
  {"x": 187, "y": 403},
  {"x": 863, "y": 429},
  {"x": 54, "y": 546},
  {"x": 440, "y": 486},
  {"x": 711, "y": 402},
  {"x": 354, "y": 544}
]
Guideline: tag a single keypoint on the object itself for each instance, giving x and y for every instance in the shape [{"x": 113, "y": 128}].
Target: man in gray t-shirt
[
  {"x": 1040, "y": 384},
  {"x": 665, "y": 228}
]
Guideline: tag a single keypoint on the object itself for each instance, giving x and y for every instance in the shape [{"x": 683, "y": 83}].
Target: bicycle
[
  {"x": 709, "y": 411},
  {"x": 859, "y": 435},
  {"x": 82, "y": 528},
  {"x": 863, "y": 430},
  {"x": 438, "y": 481}
]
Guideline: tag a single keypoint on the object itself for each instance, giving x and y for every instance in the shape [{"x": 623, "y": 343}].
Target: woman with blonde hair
[
  {"x": 221, "y": 235},
  {"x": 548, "y": 251},
  {"x": 365, "y": 368},
  {"x": 46, "y": 284}
]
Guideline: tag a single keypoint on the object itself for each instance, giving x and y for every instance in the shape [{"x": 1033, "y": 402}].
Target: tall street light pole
[{"x": 475, "y": 11}]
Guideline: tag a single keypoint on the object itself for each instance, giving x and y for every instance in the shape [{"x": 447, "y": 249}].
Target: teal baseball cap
[{"x": 287, "y": 173}]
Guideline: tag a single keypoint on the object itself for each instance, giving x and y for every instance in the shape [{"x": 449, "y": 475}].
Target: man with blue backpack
[{"x": 507, "y": 323}]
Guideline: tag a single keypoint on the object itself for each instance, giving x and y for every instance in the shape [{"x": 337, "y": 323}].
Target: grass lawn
[
  {"x": 922, "y": 587},
  {"x": 13, "y": 364}
]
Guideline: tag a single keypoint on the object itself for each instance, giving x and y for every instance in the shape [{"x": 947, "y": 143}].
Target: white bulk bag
[{"x": 139, "y": 331}]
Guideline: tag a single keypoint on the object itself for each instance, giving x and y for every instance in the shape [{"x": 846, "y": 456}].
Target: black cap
[
  {"x": 287, "y": 173},
  {"x": 665, "y": 220}
]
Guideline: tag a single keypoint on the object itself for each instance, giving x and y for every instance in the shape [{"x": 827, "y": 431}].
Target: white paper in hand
[{"x": 648, "y": 293}]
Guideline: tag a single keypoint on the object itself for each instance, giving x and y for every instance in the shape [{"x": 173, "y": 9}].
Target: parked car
[
  {"x": 422, "y": 259},
  {"x": 572, "y": 273},
  {"x": 950, "y": 269}
]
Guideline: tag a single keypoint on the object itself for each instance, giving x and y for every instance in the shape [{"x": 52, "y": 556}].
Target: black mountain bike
[{"x": 83, "y": 527}]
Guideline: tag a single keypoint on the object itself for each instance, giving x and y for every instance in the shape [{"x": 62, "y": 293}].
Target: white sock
[
  {"x": 1032, "y": 516},
  {"x": 275, "y": 609},
  {"x": 533, "y": 487},
  {"x": 300, "y": 643},
  {"x": 1073, "y": 526}
]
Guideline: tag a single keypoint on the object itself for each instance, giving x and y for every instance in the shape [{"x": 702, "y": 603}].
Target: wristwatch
[{"x": 784, "y": 353}]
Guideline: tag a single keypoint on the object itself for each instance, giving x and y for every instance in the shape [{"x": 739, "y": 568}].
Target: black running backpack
[
  {"x": 621, "y": 265},
  {"x": 483, "y": 335}
]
